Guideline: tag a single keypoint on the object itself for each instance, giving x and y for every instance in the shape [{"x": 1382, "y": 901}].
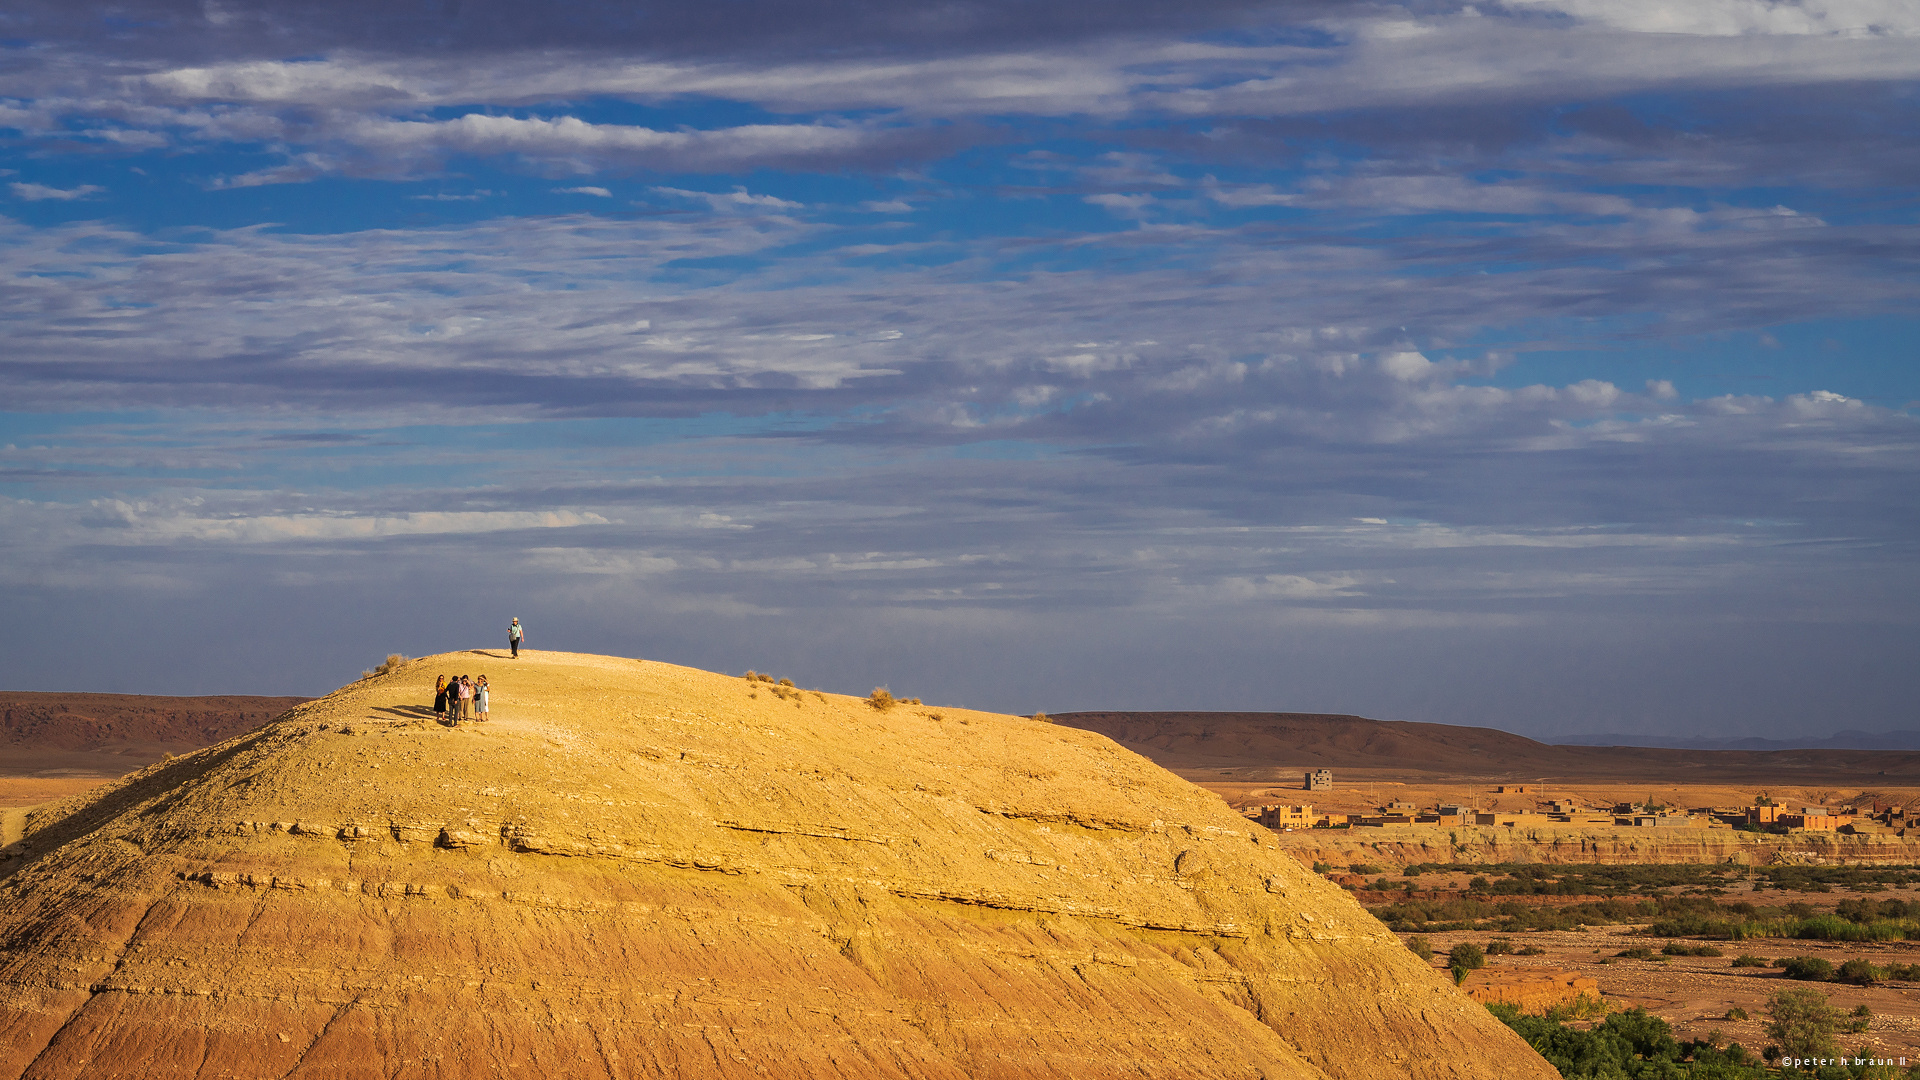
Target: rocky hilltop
[{"x": 640, "y": 870}]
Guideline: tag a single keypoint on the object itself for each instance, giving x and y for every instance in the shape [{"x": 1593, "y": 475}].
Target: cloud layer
[{"x": 1534, "y": 363}]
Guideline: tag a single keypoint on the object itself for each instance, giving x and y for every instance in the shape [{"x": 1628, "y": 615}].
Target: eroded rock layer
[{"x": 639, "y": 870}]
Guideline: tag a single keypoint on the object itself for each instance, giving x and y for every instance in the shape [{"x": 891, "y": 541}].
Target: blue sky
[{"x": 1547, "y": 364}]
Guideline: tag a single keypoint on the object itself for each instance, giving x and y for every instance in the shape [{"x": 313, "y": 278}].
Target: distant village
[{"x": 1761, "y": 816}]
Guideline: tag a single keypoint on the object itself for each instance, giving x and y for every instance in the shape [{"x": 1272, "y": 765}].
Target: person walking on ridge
[{"x": 514, "y": 634}]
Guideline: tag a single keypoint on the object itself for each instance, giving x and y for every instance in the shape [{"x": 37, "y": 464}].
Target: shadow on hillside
[
  {"x": 156, "y": 785},
  {"x": 409, "y": 712}
]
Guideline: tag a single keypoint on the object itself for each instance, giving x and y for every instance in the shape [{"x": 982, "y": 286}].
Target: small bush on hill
[
  {"x": 1638, "y": 952},
  {"x": 1858, "y": 1020},
  {"x": 1500, "y": 947},
  {"x": 1748, "y": 960},
  {"x": 1808, "y": 969},
  {"x": 1677, "y": 949},
  {"x": 881, "y": 699},
  {"x": 1463, "y": 958},
  {"x": 1858, "y": 973},
  {"x": 1363, "y": 868},
  {"x": 393, "y": 662},
  {"x": 1421, "y": 947},
  {"x": 1802, "y": 1023}
]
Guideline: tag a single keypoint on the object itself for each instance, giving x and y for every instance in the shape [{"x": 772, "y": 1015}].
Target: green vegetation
[
  {"x": 1802, "y": 1023},
  {"x": 1749, "y": 960},
  {"x": 1856, "y": 972},
  {"x": 1534, "y": 879},
  {"x": 1631, "y": 1045},
  {"x": 1421, "y": 947},
  {"x": 1676, "y": 949},
  {"x": 1363, "y": 868},
  {"x": 1463, "y": 958},
  {"x": 1692, "y": 915},
  {"x": 1637, "y": 1045},
  {"x": 1858, "y": 1020},
  {"x": 1808, "y": 969},
  {"x": 1824, "y": 878}
]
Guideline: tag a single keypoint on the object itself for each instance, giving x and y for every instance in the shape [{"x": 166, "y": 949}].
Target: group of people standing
[{"x": 461, "y": 698}]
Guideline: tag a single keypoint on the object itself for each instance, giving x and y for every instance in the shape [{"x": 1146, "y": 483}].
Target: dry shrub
[
  {"x": 1043, "y": 718},
  {"x": 788, "y": 683},
  {"x": 881, "y": 699},
  {"x": 394, "y": 662}
]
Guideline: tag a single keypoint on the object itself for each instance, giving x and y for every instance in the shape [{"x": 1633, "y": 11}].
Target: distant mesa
[
  {"x": 1839, "y": 740},
  {"x": 107, "y": 734},
  {"x": 1289, "y": 742},
  {"x": 639, "y": 870}
]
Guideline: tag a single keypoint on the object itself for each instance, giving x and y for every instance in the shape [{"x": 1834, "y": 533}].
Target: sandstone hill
[
  {"x": 1191, "y": 741},
  {"x": 639, "y": 870},
  {"x": 107, "y": 734}
]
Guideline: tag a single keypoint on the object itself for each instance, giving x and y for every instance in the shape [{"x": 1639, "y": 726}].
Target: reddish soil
[{"x": 62, "y": 739}]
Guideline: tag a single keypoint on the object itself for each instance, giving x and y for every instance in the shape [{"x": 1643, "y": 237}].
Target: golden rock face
[{"x": 640, "y": 870}]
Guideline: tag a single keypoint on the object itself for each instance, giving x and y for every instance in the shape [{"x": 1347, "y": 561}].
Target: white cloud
[
  {"x": 596, "y": 191},
  {"x": 1128, "y": 207},
  {"x": 737, "y": 199},
  {"x": 569, "y": 138},
  {"x": 1406, "y": 366},
  {"x": 1242, "y": 196},
  {"x": 1731, "y": 18},
  {"x": 146, "y": 525},
  {"x": 39, "y": 192}
]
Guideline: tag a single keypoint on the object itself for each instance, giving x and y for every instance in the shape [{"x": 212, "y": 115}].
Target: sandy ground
[{"x": 19, "y": 791}]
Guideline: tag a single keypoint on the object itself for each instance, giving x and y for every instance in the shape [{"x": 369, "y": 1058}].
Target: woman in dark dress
[{"x": 440, "y": 696}]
